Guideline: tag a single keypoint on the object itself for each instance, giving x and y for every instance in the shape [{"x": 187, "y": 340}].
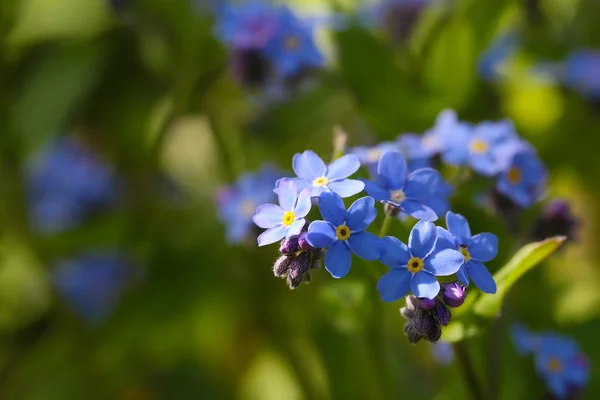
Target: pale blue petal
[
  {"x": 458, "y": 227},
  {"x": 444, "y": 263},
  {"x": 365, "y": 245},
  {"x": 361, "y": 214},
  {"x": 394, "y": 253},
  {"x": 422, "y": 239},
  {"x": 484, "y": 247},
  {"x": 394, "y": 285},
  {"x": 418, "y": 210},
  {"x": 320, "y": 234},
  {"x": 296, "y": 227},
  {"x": 391, "y": 170},
  {"x": 332, "y": 208},
  {"x": 338, "y": 259},
  {"x": 376, "y": 191},
  {"x": 421, "y": 183},
  {"x": 462, "y": 275},
  {"x": 343, "y": 167},
  {"x": 423, "y": 284},
  {"x": 268, "y": 215},
  {"x": 347, "y": 187},
  {"x": 308, "y": 165},
  {"x": 303, "y": 204},
  {"x": 315, "y": 191},
  {"x": 287, "y": 194},
  {"x": 481, "y": 277},
  {"x": 300, "y": 183},
  {"x": 485, "y": 164},
  {"x": 557, "y": 385},
  {"x": 272, "y": 235}
]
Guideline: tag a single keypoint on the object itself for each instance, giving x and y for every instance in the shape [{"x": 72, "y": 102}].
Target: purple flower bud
[
  {"x": 302, "y": 242},
  {"x": 426, "y": 304},
  {"x": 453, "y": 294},
  {"x": 557, "y": 219},
  {"x": 289, "y": 245},
  {"x": 442, "y": 313},
  {"x": 282, "y": 266}
]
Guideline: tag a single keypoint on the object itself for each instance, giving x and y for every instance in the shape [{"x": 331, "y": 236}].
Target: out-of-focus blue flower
[
  {"x": 343, "y": 232},
  {"x": 396, "y": 17},
  {"x": 557, "y": 219},
  {"x": 237, "y": 204},
  {"x": 493, "y": 61},
  {"x": 482, "y": 147},
  {"x": 247, "y": 25},
  {"x": 286, "y": 219},
  {"x": 314, "y": 174},
  {"x": 476, "y": 250},
  {"x": 370, "y": 156},
  {"x": 446, "y": 128},
  {"x": 524, "y": 340},
  {"x": 409, "y": 192},
  {"x": 411, "y": 147},
  {"x": 582, "y": 72},
  {"x": 443, "y": 352},
  {"x": 414, "y": 267},
  {"x": 292, "y": 47},
  {"x": 93, "y": 282},
  {"x": 523, "y": 181},
  {"x": 65, "y": 183}
]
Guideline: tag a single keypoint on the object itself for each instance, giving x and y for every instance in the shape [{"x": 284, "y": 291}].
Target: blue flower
[
  {"x": 411, "y": 147},
  {"x": 397, "y": 17},
  {"x": 481, "y": 147},
  {"x": 237, "y": 203},
  {"x": 292, "y": 47},
  {"x": 314, "y": 174},
  {"x": 492, "y": 62},
  {"x": 284, "y": 220},
  {"x": 476, "y": 250},
  {"x": 409, "y": 192},
  {"x": 582, "y": 72},
  {"x": 443, "y": 352},
  {"x": 523, "y": 181},
  {"x": 248, "y": 25},
  {"x": 67, "y": 182},
  {"x": 370, "y": 156},
  {"x": 343, "y": 233},
  {"x": 93, "y": 282},
  {"x": 524, "y": 340},
  {"x": 416, "y": 266},
  {"x": 447, "y": 127}
]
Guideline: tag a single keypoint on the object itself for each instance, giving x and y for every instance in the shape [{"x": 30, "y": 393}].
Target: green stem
[
  {"x": 468, "y": 371},
  {"x": 385, "y": 227}
]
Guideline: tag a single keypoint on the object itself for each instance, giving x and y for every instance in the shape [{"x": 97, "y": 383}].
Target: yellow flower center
[
  {"x": 514, "y": 175},
  {"x": 291, "y": 42},
  {"x": 554, "y": 365},
  {"x": 288, "y": 218},
  {"x": 414, "y": 265},
  {"x": 463, "y": 250},
  {"x": 247, "y": 208},
  {"x": 478, "y": 146},
  {"x": 322, "y": 181},
  {"x": 397, "y": 195},
  {"x": 342, "y": 232},
  {"x": 373, "y": 155}
]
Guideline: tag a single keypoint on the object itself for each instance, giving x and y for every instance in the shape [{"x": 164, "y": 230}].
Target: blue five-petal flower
[
  {"x": 284, "y": 220},
  {"x": 414, "y": 267},
  {"x": 343, "y": 233}
]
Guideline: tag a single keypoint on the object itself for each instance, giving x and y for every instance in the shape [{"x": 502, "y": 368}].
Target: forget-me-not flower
[
  {"x": 414, "y": 267},
  {"x": 369, "y": 156},
  {"x": 410, "y": 192},
  {"x": 582, "y": 72},
  {"x": 286, "y": 219},
  {"x": 492, "y": 63},
  {"x": 410, "y": 145},
  {"x": 343, "y": 232},
  {"x": 523, "y": 181},
  {"x": 247, "y": 25},
  {"x": 476, "y": 250}
]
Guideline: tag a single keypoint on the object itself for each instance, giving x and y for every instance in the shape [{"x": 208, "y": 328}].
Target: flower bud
[
  {"x": 302, "y": 242},
  {"x": 453, "y": 294},
  {"x": 557, "y": 219},
  {"x": 442, "y": 314},
  {"x": 426, "y": 304},
  {"x": 298, "y": 268},
  {"x": 289, "y": 245},
  {"x": 282, "y": 266}
]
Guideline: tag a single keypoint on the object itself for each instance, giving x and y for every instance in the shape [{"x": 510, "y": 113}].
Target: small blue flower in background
[
  {"x": 409, "y": 192},
  {"x": 492, "y": 63},
  {"x": 523, "y": 181},
  {"x": 476, "y": 250},
  {"x": 247, "y": 25},
  {"x": 292, "y": 47},
  {"x": 67, "y": 182},
  {"x": 443, "y": 352},
  {"x": 314, "y": 174},
  {"x": 447, "y": 126},
  {"x": 523, "y": 339},
  {"x": 284, "y": 220},
  {"x": 237, "y": 204},
  {"x": 410, "y": 145},
  {"x": 93, "y": 282},
  {"x": 369, "y": 156},
  {"x": 582, "y": 72},
  {"x": 397, "y": 17},
  {"x": 414, "y": 267},
  {"x": 343, "y": 232}
]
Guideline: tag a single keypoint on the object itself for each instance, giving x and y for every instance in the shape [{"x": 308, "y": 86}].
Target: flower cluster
[{"x": 558, "y": 360}]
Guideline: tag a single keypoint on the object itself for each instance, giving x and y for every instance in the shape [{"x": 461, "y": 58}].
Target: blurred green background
[{"x": 150, "y": 91}]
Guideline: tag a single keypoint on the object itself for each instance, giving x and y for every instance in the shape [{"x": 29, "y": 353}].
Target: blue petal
[
  {"x": 421, "y": 183},
  {"x": 303, "y": 204},
  {"x": 320, "y": 234},
  {"x": 394, "y": 253},
  {"x": 444, "y": 263},
  {"x": 343, "y": 167},
  {"x": 295, "y": 228},
  {"x": 484, "y": 247},
  {"x": 300, "y": 183},
  {"x": 365, "y": 245},
  {"x": 287, "y": 194},
  {"x": 332, "y": 208},
  {"x": 485, "y": 164},
  {"x": 557, "y": 385},
  {"x": 394, "y": 285},
  {"x": 316, "y": 191},
  {"x": 391, "y": 170},
  {"x": 308, "y": 165},
  {"x": 268, "y": 215},
  {"x": 376, "y": 191},
  {"x": 445, "y": 240},
  {"x": 481, "y": 277},
  {"x": 347, "y": 187},
  {"x": 338, "y": 259},
  {"x": 418, "y": 210},
  {"x": 463, "y": 275},
  {"x": 360, "y": 214},
  {"x": 458, "y": 227},
  {"x": 422, "y": 239},
  {"x": 423, "y": 284},
  {"x": 272, "y": 235},
  {"x": 523, "y": 339}
]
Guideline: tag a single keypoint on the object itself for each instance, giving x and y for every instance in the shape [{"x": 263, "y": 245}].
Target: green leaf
[{"x": 525, "y": 259}]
